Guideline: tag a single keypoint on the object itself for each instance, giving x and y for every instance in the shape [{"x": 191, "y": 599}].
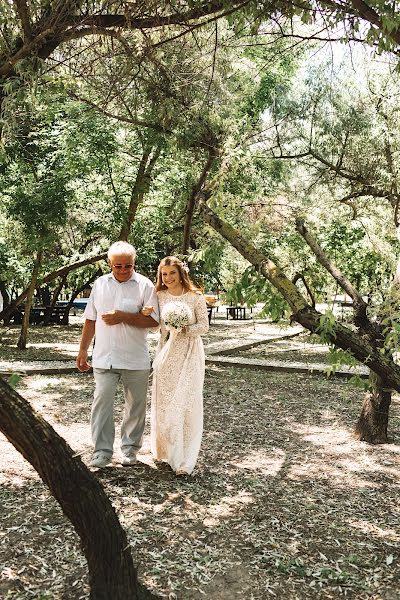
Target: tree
[
  {"x": 35, "y": 192},
  {"x": 373, "y": 333},
  {"x": 345, "y": 139},
  {"x": 36, "y": 31},
  {"x": 82, "y": 499}
]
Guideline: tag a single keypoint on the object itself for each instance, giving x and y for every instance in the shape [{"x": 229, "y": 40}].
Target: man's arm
[
  {"x": 86, "y": 339},
  {"x": 114, "y": 317}
]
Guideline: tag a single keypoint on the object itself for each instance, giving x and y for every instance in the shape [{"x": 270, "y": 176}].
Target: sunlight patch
[
  {"x": 315, "y": 470},
  {"x": 70, "y": 347},
  {"x": 266, "y": 464},
  {"x": 38, "y": 383},
  {"x": 376, "y": 531},
  {"x": 227, "y": 508},
  {"x": 326, "y": 436}
]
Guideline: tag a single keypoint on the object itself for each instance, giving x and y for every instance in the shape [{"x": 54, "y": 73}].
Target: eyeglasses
[{"x": 119, "y": 267}]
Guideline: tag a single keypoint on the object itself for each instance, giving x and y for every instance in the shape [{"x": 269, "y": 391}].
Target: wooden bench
[
  {"x": 38, "y": 315},
  {"x": 57, "y": 314},
  {"x": 236, "y": 312}
]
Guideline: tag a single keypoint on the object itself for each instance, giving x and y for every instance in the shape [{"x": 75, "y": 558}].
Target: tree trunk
[
  {"x": 140, "y": 187},
  {"x": 6, "y": 299},
  {"x": 54, "y": 298},
  {"x": 21, "y": 344},
  {"x": 91, "y": 279},
  {"x": 342, "y": 337},
  {"x": 50, "y": 277},
  {"x": 191, "y": 203},
  {"x": 373, "y": 422},
  {"x": 112, "y": 574}
]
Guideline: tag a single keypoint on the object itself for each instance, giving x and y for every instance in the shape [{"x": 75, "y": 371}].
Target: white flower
[
  {"x": 185, "y": 266},
  {"x": 176, "y": 315}
]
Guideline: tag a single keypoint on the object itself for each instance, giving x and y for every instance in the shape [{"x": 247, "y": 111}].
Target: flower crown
[{"x": 184, "y": 266}]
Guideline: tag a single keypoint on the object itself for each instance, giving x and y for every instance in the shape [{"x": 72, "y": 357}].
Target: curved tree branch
[
  {"x": 341, "y": 336},
  {"x": 359, "y": 304},
  {"x": 49, "y": 277}
]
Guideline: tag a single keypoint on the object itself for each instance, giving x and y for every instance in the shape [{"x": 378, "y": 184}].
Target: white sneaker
[
  {"x": 100, "y": 460},
  {"x": 128, "y": 460}
]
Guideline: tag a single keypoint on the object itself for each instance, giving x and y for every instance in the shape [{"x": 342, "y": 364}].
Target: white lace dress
[{"x": 177, "y": 391}]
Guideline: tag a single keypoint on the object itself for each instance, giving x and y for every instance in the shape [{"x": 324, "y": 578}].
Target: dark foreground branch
[{"x": 111, "y": 570}]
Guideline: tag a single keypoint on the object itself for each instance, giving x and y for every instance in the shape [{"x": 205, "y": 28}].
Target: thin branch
[
  {"x": 213, "y": 62},
  {"x": 110, "y": 175},
  {"x": 360, "y": 305},
  {"x": 300, "y": 276},
  {"x": 136, "y": 122},
  {"x": 201, "y": 24}
]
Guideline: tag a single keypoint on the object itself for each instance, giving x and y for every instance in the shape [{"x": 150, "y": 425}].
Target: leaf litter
[{"x": 284, "y": 502}]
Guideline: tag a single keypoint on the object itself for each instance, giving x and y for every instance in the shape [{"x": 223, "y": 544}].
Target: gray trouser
[{"x": 135, "y": 385}]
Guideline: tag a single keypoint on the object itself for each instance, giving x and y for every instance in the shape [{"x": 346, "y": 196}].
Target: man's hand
[
  {"x": 82, "y": 361},
  {"x": 113, "y": 317}
]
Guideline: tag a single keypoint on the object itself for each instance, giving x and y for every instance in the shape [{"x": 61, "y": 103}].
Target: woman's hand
[{"x": 147, "y": 310}]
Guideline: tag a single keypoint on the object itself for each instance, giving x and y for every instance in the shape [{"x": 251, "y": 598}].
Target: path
[{"x": 242, "y": 335}]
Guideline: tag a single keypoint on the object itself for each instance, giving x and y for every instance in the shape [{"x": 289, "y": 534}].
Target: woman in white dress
[{"x": 177, "y": 391}]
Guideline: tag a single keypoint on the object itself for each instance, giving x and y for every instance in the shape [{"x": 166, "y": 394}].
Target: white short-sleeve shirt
[{"x": 120, "y": 346}]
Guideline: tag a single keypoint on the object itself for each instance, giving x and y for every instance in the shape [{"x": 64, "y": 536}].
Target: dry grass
[{"x": 284, "y": 503}]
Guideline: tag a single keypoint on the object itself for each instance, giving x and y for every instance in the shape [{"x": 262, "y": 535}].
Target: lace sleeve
[{"x": 201, "y": 314}]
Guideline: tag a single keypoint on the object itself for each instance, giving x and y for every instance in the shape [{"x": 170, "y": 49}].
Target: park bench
[
  {"x": 211, "y": 301},
  {"x": 38, "y": 315},
  {"x": 236, "y": 312},
  {"x": 344, "y": 302}
]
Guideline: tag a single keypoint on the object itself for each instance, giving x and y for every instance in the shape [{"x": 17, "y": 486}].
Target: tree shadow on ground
[{"x": 283, "y": 501}]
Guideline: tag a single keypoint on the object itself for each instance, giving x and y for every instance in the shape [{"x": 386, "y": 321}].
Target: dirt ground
[
  {"x": 304, "y": 347},
  {"x": 283, "y": 503}
]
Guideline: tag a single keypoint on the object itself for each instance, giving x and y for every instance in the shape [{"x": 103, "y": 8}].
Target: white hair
[{"x": 121, "y": 248}]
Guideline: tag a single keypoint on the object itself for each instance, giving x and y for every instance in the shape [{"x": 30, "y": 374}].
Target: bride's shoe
[{"x": 182, "y": 473}]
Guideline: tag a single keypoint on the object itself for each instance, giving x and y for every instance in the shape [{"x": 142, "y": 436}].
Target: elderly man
[{"x": 120, "y": 353}]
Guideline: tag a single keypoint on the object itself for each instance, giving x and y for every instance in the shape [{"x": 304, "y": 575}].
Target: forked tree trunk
[
  {"x": 372, "y": 424},
  {"x": 112, "y": 575},
  {"x": 54, "y": 299},
  {"x": 76, "y": 293}
]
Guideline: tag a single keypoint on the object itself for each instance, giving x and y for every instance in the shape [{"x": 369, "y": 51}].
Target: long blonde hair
[{"x": 173, "y": 261}]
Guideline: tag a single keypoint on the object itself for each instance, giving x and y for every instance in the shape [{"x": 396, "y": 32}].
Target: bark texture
[
  {"x": 141, "y": 187},
  {"x": 112, "y": 574},
  {"x": 372, "y": 425},
  {"x": 191, "y": 203}
]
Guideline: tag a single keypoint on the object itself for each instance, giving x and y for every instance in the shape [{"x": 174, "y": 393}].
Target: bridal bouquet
[{"x": 176, "y": 315}]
